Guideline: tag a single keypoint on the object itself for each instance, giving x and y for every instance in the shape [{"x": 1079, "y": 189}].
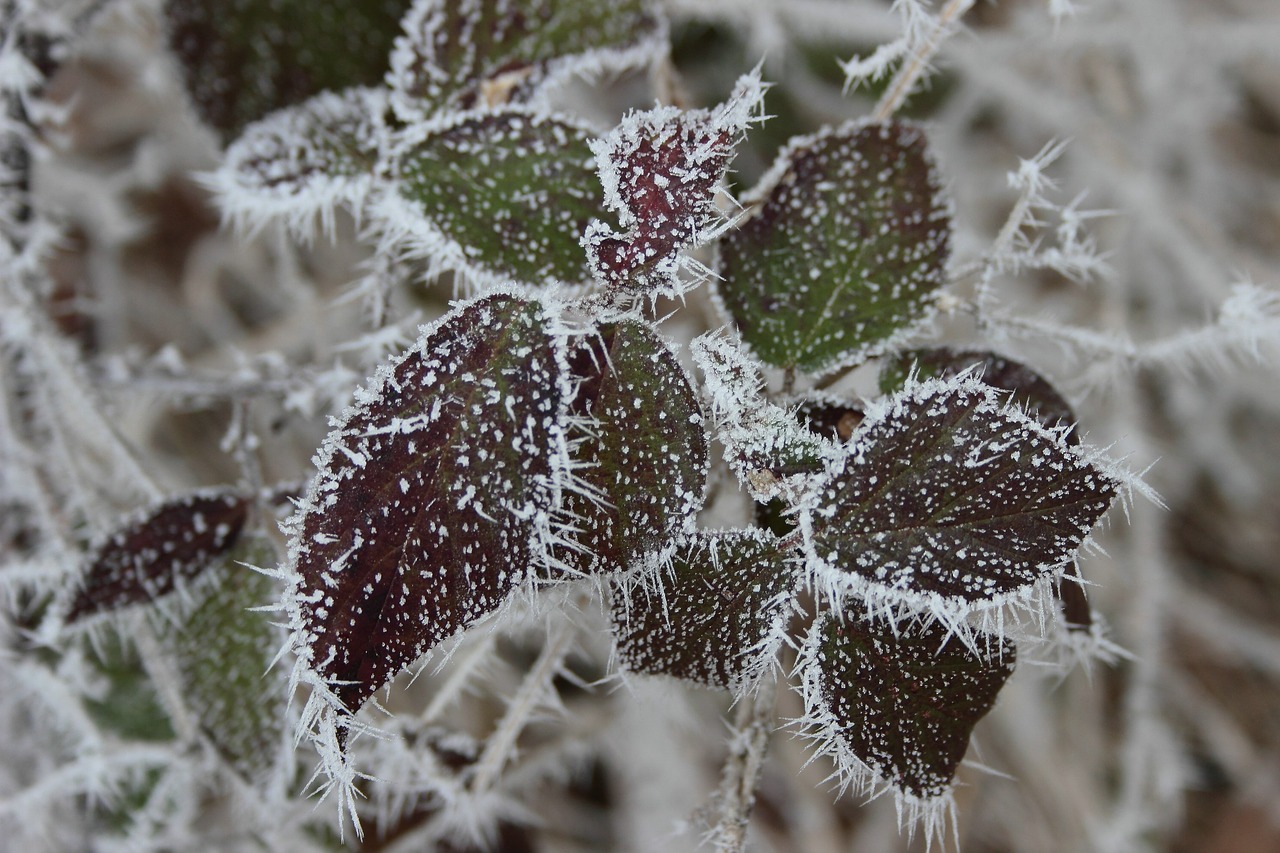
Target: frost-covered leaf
[
  {"x": 223, "y": 651},
  {"x": 432, "y": 499},
  {"x": 640, "y": 448},
  {"x": 1030, "y": 390},
  {"x": 951, "y": 501},
  {"x": 897, "y": 706},
  {"x": 499, "y": 196},
  {"x": 848, "y": 240},
  {"x": 717, "y": 617},
  {"x": 660, "y": 170},
  {"x": 300, "y": 163},
  {"x": 460, "y": 54},
  {"x": 772, "y": 453},
  {"x": 158, "y": 551},
  {"x": 242, "y": 59}
]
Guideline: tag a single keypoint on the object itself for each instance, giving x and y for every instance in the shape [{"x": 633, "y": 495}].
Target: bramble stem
[
  {"x": 498, "y": 747},
  {"x": 904, "y": 82},
  {"x": 752, "y": 723}
]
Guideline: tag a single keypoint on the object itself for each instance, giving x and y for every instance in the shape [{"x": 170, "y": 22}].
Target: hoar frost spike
[{"x": 433, "y": 499}]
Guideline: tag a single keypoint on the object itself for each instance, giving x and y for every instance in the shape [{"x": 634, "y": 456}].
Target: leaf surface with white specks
[
  {"x": 640, "y": 447},
  {"x": 172, "y": 543},
  {"x": 433, "y": 496},
  {"x": 952, "y": 501},
  {"x": 847, "y": 241},
  {"x": 717, "y": 617},
  {"x": 500, "y": 196},
  {"x": 900, "y": 704},
  {"x": 661, "y": 170}
]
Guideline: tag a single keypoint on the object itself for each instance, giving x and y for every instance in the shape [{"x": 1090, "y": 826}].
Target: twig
[
  {"x": 753, "y": 723},
  {"x": 904, "y": 82},
  {"x": 498, "y": 747}
]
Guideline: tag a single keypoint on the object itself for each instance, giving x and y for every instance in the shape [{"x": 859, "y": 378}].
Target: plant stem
[
  {"x": 752, "y": 723},
  {"x": 537, "y": 682},
  {"x": 904, "y": 82}
]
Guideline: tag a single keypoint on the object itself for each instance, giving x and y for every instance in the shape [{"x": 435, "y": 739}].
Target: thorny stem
[
  {"x": 904, "y": 82},
  {"x": 752, "y": 723},
  {"x": 498, "y": 747}
]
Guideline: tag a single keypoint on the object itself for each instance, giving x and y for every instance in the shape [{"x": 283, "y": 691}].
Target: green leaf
[
  {"x": 223, "y": 651},
  {"x": 433, "y": 496},
  {"x": 500, "y": 196},
  {"x": 1030, "y": 390},
  {"x": 847, "y": 240},
  {"x": 129, "y": 707},
  {"x": 242, "y": 59},
  {"x": 460, "y": 54},
  {"x": 897, "y": 705},
  {"x": 950, "y": 501},
  {"x": 640, "y": 449},
  {"x": 301, "y": 163},
  {"x": 717, "y": 617},
  {"x": 159, "y": 551}
]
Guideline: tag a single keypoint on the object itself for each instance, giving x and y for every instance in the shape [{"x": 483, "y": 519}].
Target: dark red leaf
[
  {"x": 433, "y": 497},
  {"x": 175, "y": 542},
  {"x": 640, "y": 448},
  {"x": 900, "y": 703},
  {"x": 717, "y": 617}
]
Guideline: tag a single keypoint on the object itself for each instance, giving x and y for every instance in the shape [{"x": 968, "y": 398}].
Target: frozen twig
[
  {"x": 925, "y": 45},
  {"x": 752, "y": 724}
]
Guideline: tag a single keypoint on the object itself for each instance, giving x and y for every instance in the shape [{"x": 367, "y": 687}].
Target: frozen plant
[{"x": 665, "y": 432}]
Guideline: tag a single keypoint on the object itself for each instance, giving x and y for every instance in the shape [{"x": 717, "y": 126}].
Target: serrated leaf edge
[
  {"x": 966, "y": 620},
  {"x": 405, "y": 232},
  {"x": 754, "y": 198},
  {"x": 933, "y": 816}
]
